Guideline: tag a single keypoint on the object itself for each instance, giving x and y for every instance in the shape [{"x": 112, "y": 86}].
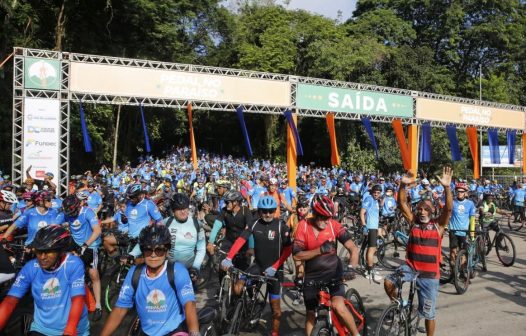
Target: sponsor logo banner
[
  {"x": 458, "y": 113},
  {"x": 41, "y": 137},
  {"x": 43, "y": 74},
  {"x": 153, "y": 83},
  {"x": 503, "y": 153},
  {"x": 323, "y": 98}
]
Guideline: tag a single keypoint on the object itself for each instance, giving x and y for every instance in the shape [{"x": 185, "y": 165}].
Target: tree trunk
[
  {"x": 116, "y": 140},
  {"x": 60, "y": 28}
]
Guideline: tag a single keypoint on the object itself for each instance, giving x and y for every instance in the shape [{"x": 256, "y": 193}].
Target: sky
[{"x": 327, "y": 8}]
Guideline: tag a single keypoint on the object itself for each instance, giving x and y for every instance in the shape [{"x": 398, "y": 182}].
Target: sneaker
[
  {"x": 374, "y": 276},
  {"x": 97, "y": 315}
]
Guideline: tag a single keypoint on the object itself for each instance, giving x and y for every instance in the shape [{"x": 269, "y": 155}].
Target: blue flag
[
  {"x": 425, "y": 143},
  {"x": 292, "y": 125},
  {"x": 510, "y": 137},
  {"x": 146, "y": 138},
  {"x": 367, "y": 124},
  {"x": 453, "y": 142},
  {"x": 85, "y": 134},
  {"x": 241, "y": 119},
  {"x": 493, "y": 139}
]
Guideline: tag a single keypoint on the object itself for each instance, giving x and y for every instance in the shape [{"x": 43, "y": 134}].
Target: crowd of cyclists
[{"x": 169, "y": 220}]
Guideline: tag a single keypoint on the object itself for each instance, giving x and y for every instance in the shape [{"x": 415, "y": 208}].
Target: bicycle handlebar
[{"x": 262, "y": 278}]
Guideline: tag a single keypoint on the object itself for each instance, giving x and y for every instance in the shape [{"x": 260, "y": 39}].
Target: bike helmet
[
  {"x": 134, "y": 190},
  {"x": 322, "y": 205},
  {"x": 71, "y": 205},
  {"x": 223, "y": 184},
  {"x": 273, "y": 181},
  {"x": 303, "y": 202},
  {"x": 41, "y": 196},
  {"x": 82, "y": 195},
  {"x": 232, "y": 195},
  {"x": 180, "y": 201},
  {"x": 155, "y": 235},
  {"x": 50, "y": 175},
  {"x": 461, "y": 185},
  {"x": 354, "y": 197},
  {"x": 389, "y": 188},
  {"x": 489, "y": 194},
  {"x": 8, "y": 196},
  {"x": 267, "y": 202},
  {"x": 27, "y": 196},
  {"x": 52, "y": 237},
  {"x": 376, "y": 187}
]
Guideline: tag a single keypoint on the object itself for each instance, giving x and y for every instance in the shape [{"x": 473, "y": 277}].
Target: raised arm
[{"x": 445, "y": 180}]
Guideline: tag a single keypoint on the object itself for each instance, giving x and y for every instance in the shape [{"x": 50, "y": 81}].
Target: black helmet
[
  {"x": 71, "y": 205},
  {"x": 180, "y": 201},
  {"x": 389, "y": 188},
  {"x": 354, "y": 197},
  {"x": 52, "y": 237},
  {"x": 489, "y": 194},
  {"x": 376, "y": 187},
  {"x": 303, "y": 202},
  {"x": 232, "y": 195},
  {"x": 134, "y": 191},
  {"x": 155, "y": 235}
]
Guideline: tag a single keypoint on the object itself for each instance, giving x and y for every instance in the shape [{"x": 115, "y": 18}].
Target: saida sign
[
  {"x": 323, "y": 98},
  {"x": 41, "y": 74}
]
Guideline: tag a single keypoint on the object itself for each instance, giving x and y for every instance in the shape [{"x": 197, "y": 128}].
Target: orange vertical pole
[
  {"x": 292, "y": 160},
  {"x": 400, "y": 138},
  {"x": 413, "y": 147},
  {"x": 524, "y": 153},
  {"x": 192, "y": 138},
  {"x": 474, "y": 148},
  {"x": 335, "y": 156}
]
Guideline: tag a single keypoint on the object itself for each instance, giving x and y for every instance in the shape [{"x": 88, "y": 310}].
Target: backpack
[{"x": 170, "y": 273}]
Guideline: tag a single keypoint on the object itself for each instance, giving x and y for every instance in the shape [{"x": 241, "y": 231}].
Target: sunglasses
[
  {"x": 267, "y": 211},
  {"x": 159, "y": 251}
]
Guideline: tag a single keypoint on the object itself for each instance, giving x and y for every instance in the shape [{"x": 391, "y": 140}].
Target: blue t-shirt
[
  {"x": 82, "y": 226},
  {"x": 518, "y": 197},
  {"x": 356, "y": 187},
  {"x": 372, "y": 212},
  {"x": 255, "y": 195},
  {"x": 94, "y": 200},
  {"x": 414, "y": 193},
  {"x": 462, "y": 211},
  {"x": 34, "y": 220},
  {"x": 389, "y": 207},
  {"x": 158, "y": 306},
  {"x": 52, "y": 293},
  {"x": 289, "y": 195},
  {"x": 56, "y": 203},
  {"x": 139, "y": 216}
]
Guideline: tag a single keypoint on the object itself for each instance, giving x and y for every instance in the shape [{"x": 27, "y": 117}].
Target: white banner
[
  {"x": 41, "y": 144},
  {"x": 503, "y": 153}
]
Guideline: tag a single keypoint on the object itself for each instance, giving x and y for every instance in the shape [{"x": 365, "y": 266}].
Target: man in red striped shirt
[{"x": 424, "y": 247}]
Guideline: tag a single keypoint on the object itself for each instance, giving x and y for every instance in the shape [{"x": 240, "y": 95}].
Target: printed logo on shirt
[
  {"x": 18, "y": 280},
  {"x": 51, "y": 289},
  {"x": 78, "y": 283},
  {"x": 461, "y": 208},
  {"x": 123, "y": 290},
  {"x": 187, "y": 290},
  {"x": 156, "y": 301},
  {"x": 76, "y": 223},
  {"x": 133, "y": 213},
  {"x": 42, "y": 224},
  {"x": 271, "y": 235}
]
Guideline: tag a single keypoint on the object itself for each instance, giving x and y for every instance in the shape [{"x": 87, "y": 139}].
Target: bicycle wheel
[
  {"x": 462, "y": 272},
  {"x": 225, "y": 295},
  {"x": 391, "y": 255},
  {"x": 235, "y": 320},
  {"x": 446, "y": 274},
  {"x": 135, "y": 327},
  {"x": 321, "y": 328},
  {"x": 111, "y": 294},
  {"x": 515, "y": 226},
  {"x": 391, "y": 322},
  {"x": 505, "y": 249},
  {"x": 355, "y": 299}
]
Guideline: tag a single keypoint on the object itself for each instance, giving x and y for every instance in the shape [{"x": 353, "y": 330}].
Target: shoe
[
  {"x": 484, "y": 269},
  {"x": 374, "y": 276},
  {"x": 97, "y": 315}
]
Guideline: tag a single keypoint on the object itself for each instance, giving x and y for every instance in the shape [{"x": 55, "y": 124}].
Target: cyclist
[
  {"x": 85, "y": 230},
  {"x": 56, "y": 281},
  {"x": 35, "y": 218},
  {"x": 388, "y": 207},
  {"x": 94, "y": 199},
  {"x": 188, "y": 237},
  {"x": 278, "y": 197},
  {"x": 7, "y": 199},
  {"x": 424, "y": 247},
  {"x": 315, "y": 244},
  {"x": 370, "y": 219},
  {"x": 272, "y": 246},
  {"x": 163, "y": 302},
  {"x": 462, "y": 219},
  {"x": 518, "y": 203},
  {"x": 139, "y": 212}
]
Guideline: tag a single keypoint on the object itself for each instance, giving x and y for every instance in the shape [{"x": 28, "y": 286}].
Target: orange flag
[
  {"x": 192, "y": 139},
  {"x": 335, "y": 157},
  {"x": 523, "y": 153},
  {"x": 473, "y": 147},
  {"x": 402, "y": 144}
]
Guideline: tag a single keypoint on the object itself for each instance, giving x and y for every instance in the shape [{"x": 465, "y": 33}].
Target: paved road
[{"x": 495, "y": 303}]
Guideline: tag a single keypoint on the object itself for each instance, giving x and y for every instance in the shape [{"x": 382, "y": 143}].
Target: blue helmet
[{"x": 267, "y": 202}]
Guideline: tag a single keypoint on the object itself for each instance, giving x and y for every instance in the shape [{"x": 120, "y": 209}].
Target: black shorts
[
  {"x": 310, "y": 294},
  {"x": 274, "y": 287},
  {"x": 456, "y": 241},
  {"x": 372, "y": 236}
]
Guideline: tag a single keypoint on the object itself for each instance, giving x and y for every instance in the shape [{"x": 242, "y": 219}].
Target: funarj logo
[
  {"x": 51, "y": 289},
  {"x": 76, "y": 223},
  {"x": 42, "y": 224},
  {"x": 461, "y": 208},
  {"x": 156, "y": 301},
  {"x": 42, "y": 73}
]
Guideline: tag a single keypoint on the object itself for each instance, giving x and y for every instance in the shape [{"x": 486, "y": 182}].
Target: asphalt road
[{"x": 495, "y": 303}]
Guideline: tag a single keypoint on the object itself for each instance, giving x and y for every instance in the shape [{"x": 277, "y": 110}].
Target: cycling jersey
[
  {"x": 255, "y": 195},
  {"x": 518, "y": 197},
  {"x": 462, "y": 211},
  {"x": 389, "y": 207},
  {"x": 56, "y": 203},
  {"x": 52, "y": 293},
  {"x": 81, "y": 227},
  {"x": 33, "y": 220},
  {"x": 94, "y": 200},
  {"x": 139, "y": 216},
  {"x": 188, "y": 246},
  {"x": 414, "y": 193},
  {"x": 356, "y": 187},
  {"x": 159, "y": 308},
  {"x": 372, "y": 212},
  {"x": 235, "y": 224},
  {"x": 289, "y": 194}
]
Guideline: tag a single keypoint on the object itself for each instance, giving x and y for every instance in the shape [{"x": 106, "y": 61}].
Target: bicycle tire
[
  {"x": 515, "y": 226},
  {"x": 446, "y": 273},
  {"x": 489, "y": 245},
  {"x": 386, "y": 255},
  {"x": 235, "y": 321},
  {"x": 500, "y": 247},
  {"x": 321, "y": 328},
  {"x": 354, "y": 297},
  {"x": 462, "y": 272},
  {"x": 225, "y": 298},
  {"x": 135, "y": 327},
  {"x": 391, "y": 322}
]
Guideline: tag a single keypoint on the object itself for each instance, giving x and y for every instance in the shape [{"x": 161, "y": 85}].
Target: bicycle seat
[{"x": 206, "y": 315}]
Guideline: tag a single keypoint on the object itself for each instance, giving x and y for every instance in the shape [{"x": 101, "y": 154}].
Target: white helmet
[
  {"x": 8, "y": 196},
  {"x": 273, "y": 180}
]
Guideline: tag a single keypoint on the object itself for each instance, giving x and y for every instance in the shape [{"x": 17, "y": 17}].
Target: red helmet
[
  {"x": 27, "y": 196},
  {"x": 461, "y": 185},
  {"x": 322, "y": 206}
]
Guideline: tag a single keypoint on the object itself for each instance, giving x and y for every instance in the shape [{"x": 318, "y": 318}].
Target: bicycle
[
  {"x": 502, "y": 242},
  {"x": 400, "y": 317},
  {"x": 468, "y": 257},
  {"x": 248, "y": 309},
  {"x": 125, "y": 261},
  {"x": 326, "y": 318}
]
